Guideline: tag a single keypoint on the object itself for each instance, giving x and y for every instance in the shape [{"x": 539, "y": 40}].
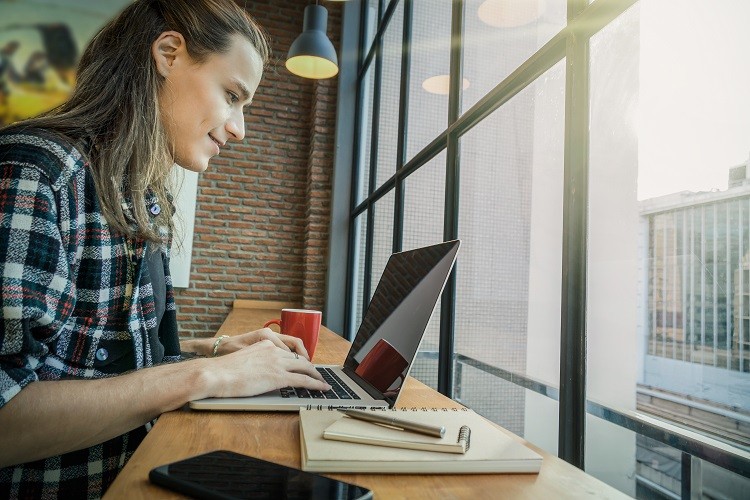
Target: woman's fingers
[
  {"x": 302, "y": 366},
  {"x": 306, "y": 381},
  {"x": 295, "y": 345},
  {"x": 284, "y": 342}
]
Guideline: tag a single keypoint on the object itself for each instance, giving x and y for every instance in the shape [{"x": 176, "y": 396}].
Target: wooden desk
[{"x": 275, "y": 437}]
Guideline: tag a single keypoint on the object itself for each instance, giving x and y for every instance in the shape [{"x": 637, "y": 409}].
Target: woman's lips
[{"x": 218, "y": 144}]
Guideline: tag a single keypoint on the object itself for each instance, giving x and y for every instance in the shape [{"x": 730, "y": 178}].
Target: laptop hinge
[{"x": 364, "y": 384}]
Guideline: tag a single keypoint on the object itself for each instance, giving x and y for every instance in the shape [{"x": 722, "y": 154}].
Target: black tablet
[{"x": 228, "y": 475}]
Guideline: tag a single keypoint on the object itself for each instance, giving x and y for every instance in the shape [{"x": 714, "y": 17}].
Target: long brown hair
[{"x": 114, "y": 105}]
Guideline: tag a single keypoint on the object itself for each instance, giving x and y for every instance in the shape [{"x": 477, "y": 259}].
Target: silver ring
[{"x": 296, "y": 356}]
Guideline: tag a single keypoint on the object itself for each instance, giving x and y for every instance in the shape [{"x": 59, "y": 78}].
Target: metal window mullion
[
  {"x": 421, "y": 159},
  {"x": 349, "y": 300},
  {"x": 403, "y": 120},
  {"x": 664, "y": 256},
  {"x": 373, "y": 170},
  {"x": 685, "y": 260},
  {"x": 730, "y": 290},
  {"x": 652, "y": 280},
  {"x": 369, "y": 243},
  {"x": 425, "y": 155},
  {"x": 692, "y": 282},
  {"x": 673, "y": 301},
  {"x": 450, "y": 215},
  {"x": 703, "y": 284},
  {"x": 685, "y": 475},
  {"x": 715, "y": 294},
  {"x": 572, "y": 408},
  {"x": 743, "y": 287},
  {"x": 384, "y": 19},
  {"x": 741, "y": 282},
  {"x": 539, "y": 63}
]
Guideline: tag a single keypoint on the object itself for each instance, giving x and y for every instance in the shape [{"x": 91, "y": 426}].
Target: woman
[{"x": 85, "y": 227}]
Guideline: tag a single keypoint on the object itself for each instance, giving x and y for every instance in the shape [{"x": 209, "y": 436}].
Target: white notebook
[
  {"x": 491, "y": 450},
  {"x": 359, "y": 431}
]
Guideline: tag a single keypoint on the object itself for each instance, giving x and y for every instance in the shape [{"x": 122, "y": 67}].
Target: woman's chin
[{"x": 197, "y": 166}]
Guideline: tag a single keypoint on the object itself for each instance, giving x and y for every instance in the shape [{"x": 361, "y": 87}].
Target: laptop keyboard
[{"x": 339, "y": 390}]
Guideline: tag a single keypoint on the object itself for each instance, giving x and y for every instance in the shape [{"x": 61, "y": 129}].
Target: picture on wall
[{"x": 41, "y": 42}]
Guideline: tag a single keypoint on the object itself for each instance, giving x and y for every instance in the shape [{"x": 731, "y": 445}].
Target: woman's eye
[{"x": 233, "y": 97}]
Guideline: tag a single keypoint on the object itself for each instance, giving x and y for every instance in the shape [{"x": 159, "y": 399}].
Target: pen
[{"x": 430, "y": 430}]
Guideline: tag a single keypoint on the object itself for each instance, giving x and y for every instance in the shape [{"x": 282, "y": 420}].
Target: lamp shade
[{"x": 312, "y": 54}]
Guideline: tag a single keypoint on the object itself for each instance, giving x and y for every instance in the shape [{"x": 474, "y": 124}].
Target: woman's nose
[{"x": 236, "y": 125}]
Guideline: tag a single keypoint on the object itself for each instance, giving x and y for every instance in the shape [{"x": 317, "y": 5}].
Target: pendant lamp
[{"x": 312, "y": 54}]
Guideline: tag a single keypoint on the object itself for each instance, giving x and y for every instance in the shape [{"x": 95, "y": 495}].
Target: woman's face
[{"x": 201, "y": 105}]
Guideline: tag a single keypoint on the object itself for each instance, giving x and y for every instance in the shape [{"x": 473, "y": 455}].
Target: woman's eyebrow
[{"x": 242, "y": 88}]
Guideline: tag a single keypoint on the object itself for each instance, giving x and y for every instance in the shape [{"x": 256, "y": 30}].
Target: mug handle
[{"x": 273, "y": 322}]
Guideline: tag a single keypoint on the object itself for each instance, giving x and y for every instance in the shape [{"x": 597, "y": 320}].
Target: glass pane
[
  {"x": 358, "y": 287},
  {"x": 371, "y": 23},
  {"x": 668, "y": 284},
  {"x": 520, "y": 410},
  {"x": 510, "y": 222},
  {"x": 389, "y": 97},
  {"x": 499, "y": 35},
  {"x": 365, "y": 135},
  {"x": 424, "y": 199},
  {"x": 382, "y": 245},
  {"x": 428, "y": 75}
]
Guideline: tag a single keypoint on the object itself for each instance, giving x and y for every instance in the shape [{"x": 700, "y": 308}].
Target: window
[{"x": 604, "y": 140}]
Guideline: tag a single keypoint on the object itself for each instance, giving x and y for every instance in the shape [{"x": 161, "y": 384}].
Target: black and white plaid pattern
[{"x": 65, "y": 313}]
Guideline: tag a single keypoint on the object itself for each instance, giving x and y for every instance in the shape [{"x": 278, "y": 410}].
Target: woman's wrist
[
  {"x": 204, "y": 379},
  {"x": 216, "y": 344},
  {"x": 201, "y": 347}
]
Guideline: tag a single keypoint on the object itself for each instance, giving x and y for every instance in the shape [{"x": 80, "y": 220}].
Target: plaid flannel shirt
[{"x": 65, "y": 309}]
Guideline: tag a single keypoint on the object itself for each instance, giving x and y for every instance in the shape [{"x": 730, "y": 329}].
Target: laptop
[{"x": 386, "y": 344}]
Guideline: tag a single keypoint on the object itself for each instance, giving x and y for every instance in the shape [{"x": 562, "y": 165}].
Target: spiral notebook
[
  {"x": 359, "y": 431},
  {"x": 488, "y": 449}
]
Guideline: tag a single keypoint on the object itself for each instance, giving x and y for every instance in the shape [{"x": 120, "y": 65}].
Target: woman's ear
[{"x": 168, "y": 50}]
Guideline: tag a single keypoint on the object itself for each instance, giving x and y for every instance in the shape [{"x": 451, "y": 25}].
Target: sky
[{"x": 694, "y": 111}]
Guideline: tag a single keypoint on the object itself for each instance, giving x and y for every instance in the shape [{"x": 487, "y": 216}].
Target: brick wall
[{"x": 262, "y": 214}]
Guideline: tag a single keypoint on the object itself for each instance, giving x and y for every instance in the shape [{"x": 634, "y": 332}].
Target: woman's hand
[
  {"x": 260, "y": 367},
  {"x": 286, "y": 342},
  {"x": 236, "y": 342}
]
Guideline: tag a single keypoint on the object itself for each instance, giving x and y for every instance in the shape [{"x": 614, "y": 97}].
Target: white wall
[{"x": 182, "y": 247}]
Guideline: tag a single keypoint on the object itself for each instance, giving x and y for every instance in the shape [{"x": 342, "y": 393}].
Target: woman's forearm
[{"x": 48, "y": 418}]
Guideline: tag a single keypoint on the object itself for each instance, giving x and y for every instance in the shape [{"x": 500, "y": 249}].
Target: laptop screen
[{"x": 388, "y": 338}]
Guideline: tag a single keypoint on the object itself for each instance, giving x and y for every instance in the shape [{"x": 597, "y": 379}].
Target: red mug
[
  {"x": 382, "y": 366},
  {"x": 301, "y": 323}
]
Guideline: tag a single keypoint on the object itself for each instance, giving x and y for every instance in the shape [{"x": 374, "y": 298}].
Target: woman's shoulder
[{"x": 51, "y": 153}]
